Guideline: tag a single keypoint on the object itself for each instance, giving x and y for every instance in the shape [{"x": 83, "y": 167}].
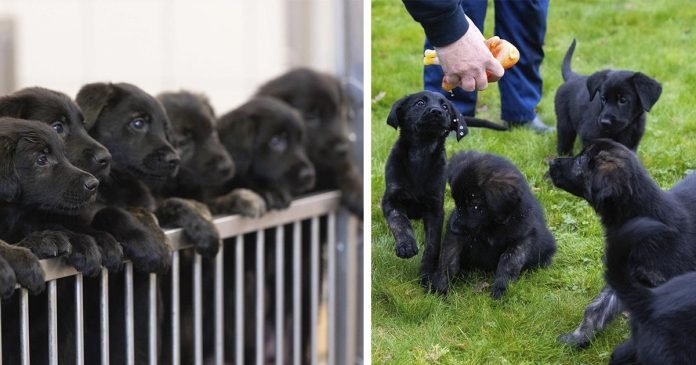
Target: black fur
[
  {"x": 497, "y": 226},
  {"x": 205, "y": 164},
  {"x": 265, "y": 139},
  {"x": 63, "y": 115},
  {"x": 607, "y": 104},
  {"x": 663, "y": 327},
  {"x": 415, "y": 172},
  {"x": 327, "y": 112},
  {"x": 612, "y": 180}
]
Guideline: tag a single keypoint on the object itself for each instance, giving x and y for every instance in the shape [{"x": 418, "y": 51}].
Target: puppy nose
[
  {"x": 91, "y": 184},
  {"x": 605, "y": 122},
  {"x": 435, "y": 111},
  {"x": 341, "y": 150},
  {"x": 306, "y": 176},
  {"x": 172, "y": 160},
  {"x": 102, "y": 158}
]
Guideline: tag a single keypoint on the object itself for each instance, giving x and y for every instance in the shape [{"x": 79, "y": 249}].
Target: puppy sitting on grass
[
  {"x": 415, "y": 171},
  {"x": 498, "y": 225},
  {"x": 663, "y": 325}
]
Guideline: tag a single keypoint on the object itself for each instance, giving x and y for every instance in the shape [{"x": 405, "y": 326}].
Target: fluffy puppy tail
[
  {"x": 483, "y": 123},
  {"x": 565, "y": 68},
  {"x": 636, "y": 297}
]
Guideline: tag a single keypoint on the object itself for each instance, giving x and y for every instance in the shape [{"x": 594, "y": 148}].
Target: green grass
[{"x": 468, "y": 327}]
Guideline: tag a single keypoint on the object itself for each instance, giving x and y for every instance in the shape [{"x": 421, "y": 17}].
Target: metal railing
[{"x": 313, "y": 243}]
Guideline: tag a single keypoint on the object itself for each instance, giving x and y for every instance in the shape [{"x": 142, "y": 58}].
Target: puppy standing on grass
[
  {"x": 415, "y": 171},
  {"x": 497, "y": 225},
  {"x": 663, "y": 325},
  {"x": 612, "y": 180},
  {"x": 607, "y": 104}
]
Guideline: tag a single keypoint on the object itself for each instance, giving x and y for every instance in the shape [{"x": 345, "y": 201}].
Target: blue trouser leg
[
  {"x": 523, "y": 23},
  {"x": 432, "y": 75}
]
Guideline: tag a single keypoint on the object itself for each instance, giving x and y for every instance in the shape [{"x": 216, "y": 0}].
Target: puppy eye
[
  {"x": 603, "y": 99},
  {"x": 420, "y": 103},
  {"x": 623, "y": 100},
  {"x": 58, "y": 127},
  {"x": 42, "y": 160},
  {"x": 312, "y": 117},
  {"x": 138, "y": 123},
  {"x": 279, "y": 142},
  {"x": 444, "y": 106}
]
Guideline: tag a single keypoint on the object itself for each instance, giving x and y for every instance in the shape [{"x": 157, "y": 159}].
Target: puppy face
[
  {"x": 204, "y": 161},
  {"x": 35, "y": 172},
  {"x": 624, "y": 96},
  {"x": 426, "y": 115},
  {"x": 485, "y": 192},
  {"x": 326, "y": 110},
  {"x": 62, "y": 114},
  {"x": 133, "y": 126},
  {"x": 265, "y": 139},
  {"x": 603, "y": 170}
]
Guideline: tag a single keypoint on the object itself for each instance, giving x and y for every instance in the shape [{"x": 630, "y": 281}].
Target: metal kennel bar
[{"x": 321, "y": 262}]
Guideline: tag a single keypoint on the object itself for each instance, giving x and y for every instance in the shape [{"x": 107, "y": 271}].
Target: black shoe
[{"x": 535, "y": 125}]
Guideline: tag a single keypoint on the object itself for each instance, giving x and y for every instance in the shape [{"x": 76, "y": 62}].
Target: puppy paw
[
  {"x": 45, "y": 244},
  {"x": 240, "y": 201},
  {"x": 110, "y": 249},
  {"x": 26, "y": 266},
  {"x": 425, "y": 279},
  {"x": 439, "y": 284},
  {"x": 575, "y": 340},
  {"x": 277, "y": 200},
  {"x": 142, "y": 240},
  {"x": 204, "y": 236},
  {"x": 497, "y": 292},
  {"x": 407, "y": 248},
  {"x": 8, "y": 280},
  {"x": 85, "y": 256}
]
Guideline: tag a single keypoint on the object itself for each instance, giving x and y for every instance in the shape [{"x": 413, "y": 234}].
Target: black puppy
[
  {"x": 63, "y": 115},
  {"x": 327, "y": 112},
  {"x": 618, "y": 113},
  {"x": 497, "y": 225},
  {"x": 662, "y": 320},
  {"x": 612, "y": 180},
  {"x": 415, "y": 171},
  {"x": 36, "y": 177},
  {"x": 265, "y": 139},
  {"x": 205, "y": 164}
]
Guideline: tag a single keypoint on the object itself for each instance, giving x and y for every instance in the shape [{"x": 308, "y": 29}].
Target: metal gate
[{"x": 307, "y": 254}]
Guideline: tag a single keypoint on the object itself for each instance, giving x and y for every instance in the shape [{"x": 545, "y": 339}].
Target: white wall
[{"x": 223, "y": 48}]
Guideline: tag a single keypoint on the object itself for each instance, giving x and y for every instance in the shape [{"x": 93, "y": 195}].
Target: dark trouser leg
[
  {"x": 523, "y": 23},
  {"x": 603, "y": 309}
]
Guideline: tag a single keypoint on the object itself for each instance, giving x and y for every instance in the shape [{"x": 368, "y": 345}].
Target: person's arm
[{"x": 442, "y": 20}]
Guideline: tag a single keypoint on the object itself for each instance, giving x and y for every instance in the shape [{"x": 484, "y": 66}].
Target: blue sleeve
[{"x": 443, "y": 20}]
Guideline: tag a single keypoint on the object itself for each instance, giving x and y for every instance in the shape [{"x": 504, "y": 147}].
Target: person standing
[{"x": 452, "y": 28}]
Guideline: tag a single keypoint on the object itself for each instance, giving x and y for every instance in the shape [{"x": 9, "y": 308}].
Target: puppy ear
[
  {"x": 609, "y": 178},
  {"x": 397, "y": 111},
  {"x": 503, "y": 193},
  {"x": 9, "y": 183},
  {"x": 458, "y": 122},
  {"x": 594, "y": 82},
  {"x": 648, "y": 90},
  {"x": 92, "y": 98},
  {"x": 12, "y": 106}
]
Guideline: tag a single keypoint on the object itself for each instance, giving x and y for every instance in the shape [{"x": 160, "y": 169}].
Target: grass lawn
[{"x": 468, "y": 327}]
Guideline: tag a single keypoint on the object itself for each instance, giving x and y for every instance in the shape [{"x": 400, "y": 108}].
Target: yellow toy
[{"x": 506, "y": 53}]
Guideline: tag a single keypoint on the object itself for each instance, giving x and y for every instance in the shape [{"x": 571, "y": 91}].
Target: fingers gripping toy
[{"x": 502, "y": 50}]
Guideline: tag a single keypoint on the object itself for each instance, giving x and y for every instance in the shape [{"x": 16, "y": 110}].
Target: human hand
[{"x": 466, "y": 61}]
